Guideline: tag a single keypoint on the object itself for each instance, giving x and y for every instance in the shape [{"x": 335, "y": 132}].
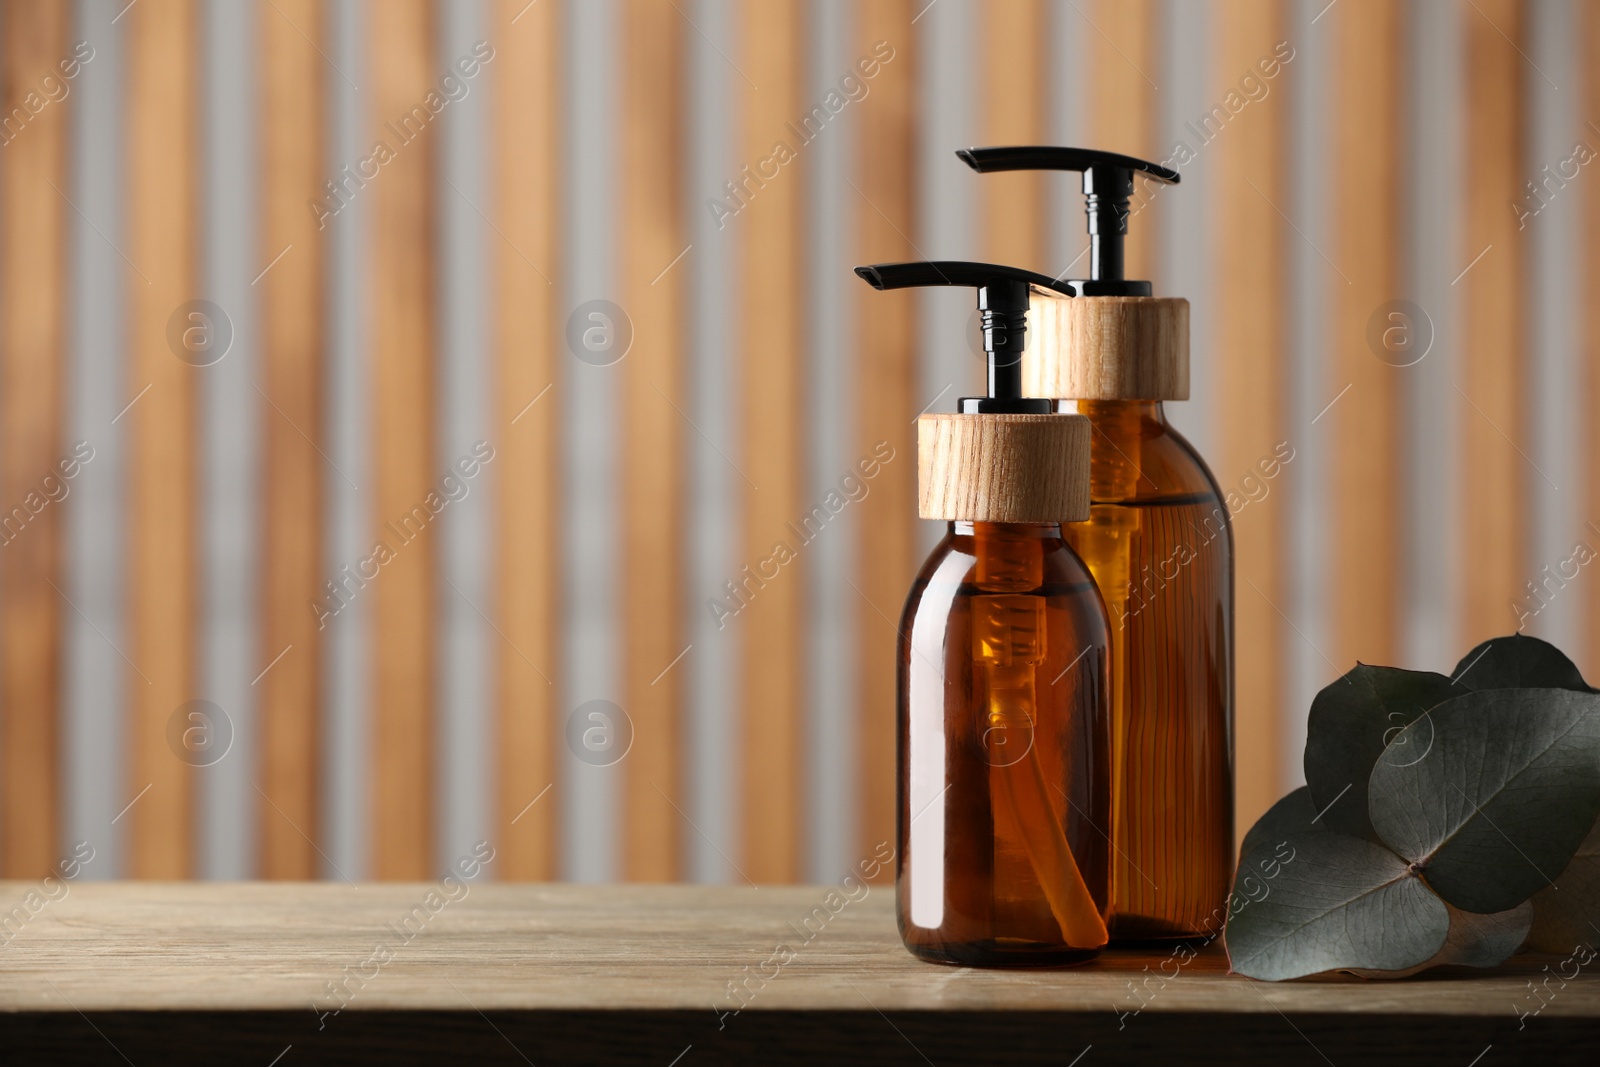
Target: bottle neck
[
  {"x": 1122, "y": 411},
  {"x": 1115, "y": 472},
  {"x": 1021, "y": 531}
]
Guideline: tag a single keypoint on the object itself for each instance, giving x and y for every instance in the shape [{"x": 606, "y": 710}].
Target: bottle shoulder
[
  {"x": 1155, "y": 464},
  {"x": 951, "y": 571},
  {"x": 1188, "y": 460}
]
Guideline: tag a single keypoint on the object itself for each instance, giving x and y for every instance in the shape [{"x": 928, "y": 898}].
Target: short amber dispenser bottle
[
  {"x": 1004, "y": 785},
  {"x": 1160, "y": 544}
]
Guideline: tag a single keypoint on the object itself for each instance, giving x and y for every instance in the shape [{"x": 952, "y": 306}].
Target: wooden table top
[{"x": 786, "y": 974}]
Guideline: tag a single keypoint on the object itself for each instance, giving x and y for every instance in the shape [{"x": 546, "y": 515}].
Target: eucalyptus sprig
[{"x": 1438, "y": 812}]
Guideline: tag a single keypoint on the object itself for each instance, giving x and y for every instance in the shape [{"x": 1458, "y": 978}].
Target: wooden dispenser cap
[
  {"x": 1003, "y": 468},
  {"x": 1107, "y": 348}
]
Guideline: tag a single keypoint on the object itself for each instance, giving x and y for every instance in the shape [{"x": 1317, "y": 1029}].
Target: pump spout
[
  {"x": 1003, "y": 304},
  {"x": 1107, "y": 190}
]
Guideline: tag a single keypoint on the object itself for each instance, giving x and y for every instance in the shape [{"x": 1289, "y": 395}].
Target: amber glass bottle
[
  {"x": 1004, "y": 744},
  {"x": 1160, "y": 545},
  {"x": 1004, "y": 751}
]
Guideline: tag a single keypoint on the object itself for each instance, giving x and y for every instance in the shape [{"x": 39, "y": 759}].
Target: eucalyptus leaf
[
  {"x": 1485, "y": 940},
  {"x": 1490, "y": 793},
  {"x": 1566, "y": 913},
  {"x": 1518, "y": 662},
  {"x": 1291, "y": 815},
  {"x": 1474, "y": 941},
  {"x": 1334, "y": 902},
  {"x": 1351, "y": 721}
]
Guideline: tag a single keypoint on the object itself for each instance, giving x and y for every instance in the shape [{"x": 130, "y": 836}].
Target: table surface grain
[{"x": 707, "y": 954}]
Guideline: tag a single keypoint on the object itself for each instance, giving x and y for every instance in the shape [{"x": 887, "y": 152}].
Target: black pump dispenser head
[
  {"x": 1107, "y": 188},
  {"x": 1003, "y": 300}
]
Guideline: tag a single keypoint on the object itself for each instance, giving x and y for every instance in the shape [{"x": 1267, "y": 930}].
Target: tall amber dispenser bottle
[
  {"x": 1160, "y": 545},
  {"x": 1003, "y": 709}
]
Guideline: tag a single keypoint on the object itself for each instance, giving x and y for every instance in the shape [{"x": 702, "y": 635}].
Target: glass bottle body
[
  {"x": 1004, "y": 750},
  {"x": 1160, "y": 545}
]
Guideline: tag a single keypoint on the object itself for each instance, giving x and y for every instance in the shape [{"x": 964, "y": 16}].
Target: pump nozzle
[
  {"x": 1003, "y": 300},
  {"x": 1107, "y": 187}
]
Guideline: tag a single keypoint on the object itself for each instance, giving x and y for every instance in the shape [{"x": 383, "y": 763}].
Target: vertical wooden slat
[
  {"x": 1589, "y": 64},
  {"x": 885, "y": 366},
  {"x": 293, "y": 76},
  {"x": 162, "y": 89},
  {"x": 1364, "y": 423},
  {"x": 32, "y": 217},
  {"x": 652, "y": 232},
  {"x": 1494, "y": 474},
  {"x": 770, "y": 269},
  {"x": 403, "y": 334},
  {"x": 1014, "y": 98},
  {"x": 1123, "y": 72},
  {"x": 527, "y": 139},
  {"x": 1251, "y": 189}
]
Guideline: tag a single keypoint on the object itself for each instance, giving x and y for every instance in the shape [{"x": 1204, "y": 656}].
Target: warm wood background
[{"x": 1426, "y": 120}]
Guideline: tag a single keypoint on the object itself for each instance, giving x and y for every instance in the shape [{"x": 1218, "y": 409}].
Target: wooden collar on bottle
[
  {"x": 1107, "y": 348},
  {"x": 1003, "y": 468}
]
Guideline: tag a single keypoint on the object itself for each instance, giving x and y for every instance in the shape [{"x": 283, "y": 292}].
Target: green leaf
[
  {"x": 1474, "y": 941},
  {"x": 1291, "y": 815},
  {"x": 1566, "y": 913},
  {"x": 1351, "y": 721},
  {"x": 1518, "y": 662},
  {"x": 1485, "y": 940},
  {"x": 1334, "y": 902},
  {"x": 1491, "y": 793}
]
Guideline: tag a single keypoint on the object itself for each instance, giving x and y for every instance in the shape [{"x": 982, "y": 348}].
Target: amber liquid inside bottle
[
  {"x": 1004, "y": 752},
  {"x": 1160, "y": 546}
]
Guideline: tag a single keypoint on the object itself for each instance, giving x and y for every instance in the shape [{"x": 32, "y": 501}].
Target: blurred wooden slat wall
[
  {"x": 163, "y": 97},
  {"x": 1366, "y": 247},
  {"x": 1589, "y": 275},
  {"x": 885, "y": 360},
  {"x": 526, "y": 133},
  {"x": 652, "y": 231},
  {"x": 406, "y": 466},
  {"x": 1251, "y": 375},
  {"x": 1494, "y": 370},
  {"x": 292, "y": 104},
  {"x": 1014, "y": 102},
  {"x": 32, "y": 306},
  {"x": 771, "y": 264},
  {"x": 1121, "y": 79},
  {"x": 1251, "y": 236}
]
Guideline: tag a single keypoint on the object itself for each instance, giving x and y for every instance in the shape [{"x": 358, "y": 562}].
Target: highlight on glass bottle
[
  {"x": 1003, "y": 710},
  {"x": 1160, "y": 546}
]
